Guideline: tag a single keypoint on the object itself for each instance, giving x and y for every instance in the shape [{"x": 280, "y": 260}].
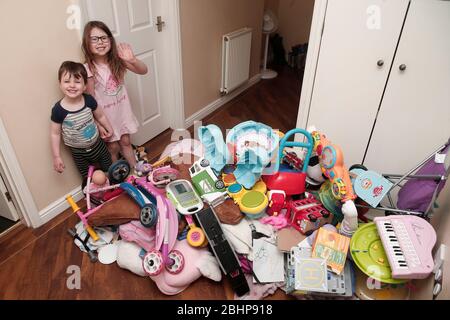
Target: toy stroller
[{"x": 416, "y": 196}]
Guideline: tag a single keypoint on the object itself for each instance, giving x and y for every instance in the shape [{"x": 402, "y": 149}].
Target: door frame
[
  {"x": 16, "y": 181},
  {"x": 312, "y": 59},
  {"x": 177, "y": 121}
]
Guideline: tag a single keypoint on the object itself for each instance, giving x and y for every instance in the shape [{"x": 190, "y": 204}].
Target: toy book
[{"x": 332, "y": 247}]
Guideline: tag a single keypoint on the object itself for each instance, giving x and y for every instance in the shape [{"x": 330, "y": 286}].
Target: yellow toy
[{"x": 252, "y": 203}]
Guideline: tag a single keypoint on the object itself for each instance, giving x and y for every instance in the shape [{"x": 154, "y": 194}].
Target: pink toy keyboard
[{"x": 408, "y": 241}]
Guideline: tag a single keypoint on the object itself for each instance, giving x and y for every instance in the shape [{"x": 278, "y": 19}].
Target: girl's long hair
[{"x": 116, "y": 64}]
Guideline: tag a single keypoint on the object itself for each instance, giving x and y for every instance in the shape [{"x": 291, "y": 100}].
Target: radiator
[{"x": 235, "y": 59}]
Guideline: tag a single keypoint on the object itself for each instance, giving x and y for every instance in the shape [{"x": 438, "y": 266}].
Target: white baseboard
[
  {"x": 57, "y": 207},
  {"x": 201, "y": 114}
]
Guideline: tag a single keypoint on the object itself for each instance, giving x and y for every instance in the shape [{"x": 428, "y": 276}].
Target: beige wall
[
  {"x": 272, "y": 5},
  {"x": 295, "y": 18},
  {"x": 203, "y": 22},
  {"x": 35, "y": 41}
]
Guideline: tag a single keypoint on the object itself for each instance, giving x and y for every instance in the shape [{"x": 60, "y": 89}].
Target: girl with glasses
[{"x": 106, "y": 65}]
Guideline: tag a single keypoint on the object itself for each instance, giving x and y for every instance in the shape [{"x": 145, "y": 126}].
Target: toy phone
[{"x": 183, "y": 196}]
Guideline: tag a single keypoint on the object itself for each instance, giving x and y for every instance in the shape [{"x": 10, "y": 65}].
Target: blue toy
[
  {"x": 369, "y": 186},
  {"x": 216, "y": 151},
  {"x": 250, "y": 145}
]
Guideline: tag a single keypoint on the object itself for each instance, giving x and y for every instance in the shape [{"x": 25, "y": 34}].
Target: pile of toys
[{"x": 265, "y": 211}]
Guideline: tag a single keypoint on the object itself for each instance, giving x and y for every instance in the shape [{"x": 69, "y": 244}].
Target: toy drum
[
  {"x": 253, "y": 204},
  {"x": 236, "y": 191}
]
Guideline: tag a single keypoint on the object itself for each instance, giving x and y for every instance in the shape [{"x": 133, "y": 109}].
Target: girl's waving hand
[{"x": 133, "y": 64}]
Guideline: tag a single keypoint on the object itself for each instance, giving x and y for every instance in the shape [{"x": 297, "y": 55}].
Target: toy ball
[{"x": 99, "y": 177}]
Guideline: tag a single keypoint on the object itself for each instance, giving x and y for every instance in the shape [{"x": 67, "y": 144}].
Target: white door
[
  {"x": 7, "y": 209},
  {"x": 134, "y": 22},
  {"x": 358, "y": 35},
  {"x": 414, "y": 118}
]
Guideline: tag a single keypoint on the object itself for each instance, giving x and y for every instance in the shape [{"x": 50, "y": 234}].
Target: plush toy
[
  {"x": 141, "y": 154},
  {"x": 198, "y": 262}
]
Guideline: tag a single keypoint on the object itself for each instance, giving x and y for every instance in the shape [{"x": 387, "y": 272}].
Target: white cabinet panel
[
  {"x": 349, "y": 83},
  {"x": 414, "y": 117}
]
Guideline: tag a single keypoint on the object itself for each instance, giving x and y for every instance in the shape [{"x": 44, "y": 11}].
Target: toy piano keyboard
[
  {"x": 368, "y": 254},
  {"x": 408, "y": 241}
]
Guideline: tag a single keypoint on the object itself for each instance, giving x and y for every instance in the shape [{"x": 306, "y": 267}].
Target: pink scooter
[{"x": 166, "y": 233}]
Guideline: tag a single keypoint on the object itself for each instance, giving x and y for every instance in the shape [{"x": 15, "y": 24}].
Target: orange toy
[
  {"x": 332, "y": 165},
  {"x": 331, "y": 162}
]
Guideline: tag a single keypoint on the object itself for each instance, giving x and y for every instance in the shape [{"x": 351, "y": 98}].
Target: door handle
[
  {"x": 160, "y": 23},
  {"x": 402, "y": 67},
  {"x": 380, "y": 63}
]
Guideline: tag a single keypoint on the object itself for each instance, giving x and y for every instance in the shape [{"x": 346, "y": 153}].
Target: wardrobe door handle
[
  {"x": 402, "y": 67},
  {"x": 380, "y": 63}
]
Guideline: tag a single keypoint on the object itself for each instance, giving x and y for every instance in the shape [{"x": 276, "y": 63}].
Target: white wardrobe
[{"x": 378, "y": 79}]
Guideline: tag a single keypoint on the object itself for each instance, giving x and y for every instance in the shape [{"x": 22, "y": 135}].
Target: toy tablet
[
  {"x": 183, "y": 196},
  {"x": 368, "y": 254}
]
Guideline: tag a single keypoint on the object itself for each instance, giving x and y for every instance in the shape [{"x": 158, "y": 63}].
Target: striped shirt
[{"x": 78, "y": 127}]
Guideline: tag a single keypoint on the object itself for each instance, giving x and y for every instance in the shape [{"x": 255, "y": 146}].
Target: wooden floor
[{"x": 34, "y": 262}]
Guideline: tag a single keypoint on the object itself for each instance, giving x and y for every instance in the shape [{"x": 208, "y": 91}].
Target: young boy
[{"x": 74, "y": 117}]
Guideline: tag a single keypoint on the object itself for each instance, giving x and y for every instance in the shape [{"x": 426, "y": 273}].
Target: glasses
[{"x": 97, "y": 39}]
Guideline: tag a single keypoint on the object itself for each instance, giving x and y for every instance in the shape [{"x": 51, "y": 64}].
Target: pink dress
[{"x": 112, "y": 96}]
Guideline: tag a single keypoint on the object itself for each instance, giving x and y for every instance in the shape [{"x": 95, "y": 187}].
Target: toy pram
[{"x": 416, "y": 196}]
